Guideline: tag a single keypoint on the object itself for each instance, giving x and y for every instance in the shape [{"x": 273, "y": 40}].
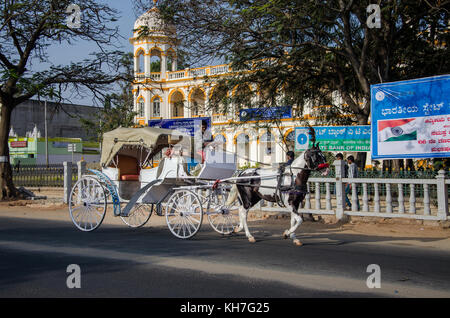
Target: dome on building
[{"x": 152, "y": 22}]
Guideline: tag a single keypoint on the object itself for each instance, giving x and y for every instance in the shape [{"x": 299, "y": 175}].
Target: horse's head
[{"x": 313, "y": 158}]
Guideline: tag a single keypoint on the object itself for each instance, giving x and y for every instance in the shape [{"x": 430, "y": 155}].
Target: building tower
[{"x": 155, "y": 53}]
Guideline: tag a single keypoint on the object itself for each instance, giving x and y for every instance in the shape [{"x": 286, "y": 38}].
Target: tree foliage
[
  {"x": 28, "y": 29},
  {"x": 314, "y": 53}
]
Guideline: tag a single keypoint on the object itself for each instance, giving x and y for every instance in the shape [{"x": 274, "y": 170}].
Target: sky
[{"x": 65, "y": 54}]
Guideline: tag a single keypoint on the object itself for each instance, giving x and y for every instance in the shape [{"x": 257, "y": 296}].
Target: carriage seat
[{"x": 128, "y": 168}]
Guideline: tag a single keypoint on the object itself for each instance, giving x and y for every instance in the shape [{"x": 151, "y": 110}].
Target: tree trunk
[{"x": 8, "y": 190}]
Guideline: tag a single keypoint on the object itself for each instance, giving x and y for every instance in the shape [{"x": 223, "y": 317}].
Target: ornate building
[{"x": 164, "y": 92}]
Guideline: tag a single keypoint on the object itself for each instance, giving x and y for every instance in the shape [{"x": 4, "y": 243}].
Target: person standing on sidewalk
[{"x": 352, "y": 173}]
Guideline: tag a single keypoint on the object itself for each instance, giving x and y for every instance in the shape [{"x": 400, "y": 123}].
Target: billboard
[
  {"x": 335, "y": 138},
  {"x": 411, "y": 119}
]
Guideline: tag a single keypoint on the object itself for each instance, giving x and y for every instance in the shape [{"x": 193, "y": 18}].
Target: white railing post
[
  {"x": 426, "y": 200},
  {"x": 328, "y": 196},
  {"x": 81, "y": 168},
  {"x": 340, "y": 191},
  {"x": 376, "y": 198},
  {"x": 354, "y": 198},
  {"x": 317, "y": 195},
  {"x": 412, "y": 199},
  {"x": 365, "y": 198},
  {"x": 67, "y": 180},
  {"x": 442, "y": 195},
  {"x": 388, "y": 198},
  {"x": 401, "y": 199}
]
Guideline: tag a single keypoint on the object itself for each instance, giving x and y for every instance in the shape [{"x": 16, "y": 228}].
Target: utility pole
[{"x": 46, "y": 135}]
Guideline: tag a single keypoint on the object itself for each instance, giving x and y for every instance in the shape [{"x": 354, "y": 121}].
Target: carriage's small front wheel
[
  {"x": 184, "y": 214},
  {"x": 87, "y": 204},
  {"x": 139, "y": 215},
  {"x": 223, "y": 219}
]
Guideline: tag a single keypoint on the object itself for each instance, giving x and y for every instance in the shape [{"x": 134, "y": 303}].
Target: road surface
[{"x": 37, "y": 246}]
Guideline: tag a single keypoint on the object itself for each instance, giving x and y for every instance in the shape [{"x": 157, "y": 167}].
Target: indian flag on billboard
[{"x": 397, "y": 130}]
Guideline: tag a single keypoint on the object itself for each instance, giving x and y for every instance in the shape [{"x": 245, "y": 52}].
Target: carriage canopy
[{"x": 128, "y": 140}]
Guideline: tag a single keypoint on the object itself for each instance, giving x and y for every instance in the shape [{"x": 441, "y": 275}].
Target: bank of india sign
[
  {"x": 335, "y": 138},
  {"x": 411, "y": 119}
]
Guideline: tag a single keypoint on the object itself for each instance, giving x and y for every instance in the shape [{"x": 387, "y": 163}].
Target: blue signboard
[
  {"x": 411, "y": 119},
  {"x": 186, "y": 125},
  {"x": 265, "y": 113}
]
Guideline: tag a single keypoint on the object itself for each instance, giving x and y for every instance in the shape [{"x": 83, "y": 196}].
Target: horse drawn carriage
[{"x": 130, "y": 184}]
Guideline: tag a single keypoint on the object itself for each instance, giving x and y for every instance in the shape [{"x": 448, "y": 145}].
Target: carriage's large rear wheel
[
  {"x": 184, "y": 214},
  {"x": 87, "y": 204},
  {"x": 139, "y": 215}
]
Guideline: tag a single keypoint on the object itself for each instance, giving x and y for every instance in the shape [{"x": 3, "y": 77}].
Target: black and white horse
[{"x": 263, "y": 184}]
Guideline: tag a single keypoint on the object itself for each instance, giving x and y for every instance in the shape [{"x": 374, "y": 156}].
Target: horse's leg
[
  {"x": 241, "y": 223},
  {"x": 232, "y": 196},
  {"x": 243, "y": 212},
  {"x": 296, "y": 220}
]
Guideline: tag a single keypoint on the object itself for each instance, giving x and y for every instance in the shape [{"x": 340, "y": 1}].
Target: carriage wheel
[
  {"x": 223, "y": 219},
  {"x": 87, "y": 204},
  {"x": 184, "y": 214},
  {"x": 139, "y": 215}
]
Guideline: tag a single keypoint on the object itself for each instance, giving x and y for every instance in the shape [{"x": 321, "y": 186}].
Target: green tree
[{"x": 28, "y": 28}]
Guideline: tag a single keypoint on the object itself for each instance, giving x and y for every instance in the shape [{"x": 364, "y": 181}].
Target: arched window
[
  {"x": 176, "y": 101},
  {"x": 222, "y": 140},
  {"x": 267, "y": 144},
  {"x": 140, "y": 62},
  {"x": 242, "y": 149},
  {"x": 141, "y": 108},
  {"x": 197, "y": 100},
  {"x": 156, "y": 107},
  {"x": 155, "y": 61}
]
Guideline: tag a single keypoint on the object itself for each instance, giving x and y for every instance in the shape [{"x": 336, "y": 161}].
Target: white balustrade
[
  {"x": 176, "y": 75},
  {"x": 334, "y": 201}
]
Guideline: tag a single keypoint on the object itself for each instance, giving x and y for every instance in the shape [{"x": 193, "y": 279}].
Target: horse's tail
[{"x": 232, "y": 196}]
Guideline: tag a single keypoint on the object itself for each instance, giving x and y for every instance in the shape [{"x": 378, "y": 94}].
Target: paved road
[{"x": 117, "y": 261}]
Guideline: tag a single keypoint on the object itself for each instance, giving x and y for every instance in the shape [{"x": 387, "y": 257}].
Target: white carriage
[{"x": 129, "y": 182}]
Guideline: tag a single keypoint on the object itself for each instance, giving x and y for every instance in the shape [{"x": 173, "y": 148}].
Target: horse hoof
[
  {"x": 251, "y": 240},
  {"x": 298, "y": 243}
]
